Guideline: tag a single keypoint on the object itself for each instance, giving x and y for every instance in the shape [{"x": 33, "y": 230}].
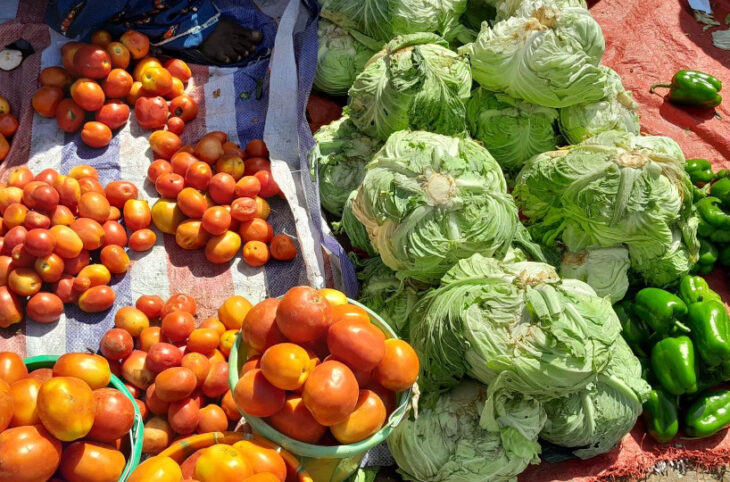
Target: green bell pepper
[
  {"x": 699, "y": 192},
  {"x": 708, "y": 253},
  {"x": 660, "y": 309},
  {"x": 724, "y": 256},
  {"x": 699, "y": 170},
  {"x": 721, "y": 236},
  {"x": 704, "y": 229},
  {"x": 709, "y": 414},
  {"x": 634, "y": 331},
  {"x": 710, "y": 210},
  {"x": 693, "y": 289},
  {"x": 721, "y": 190},
  {"x": 710, "y": 325},
  {"x": 692, "y": 87},
  {"x": 660, "y": 415},
  {"x": 673, "y": 364}
]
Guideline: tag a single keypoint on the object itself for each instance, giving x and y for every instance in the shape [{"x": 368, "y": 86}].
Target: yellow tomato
[
  {"x": 222, "y": 463},
  {"x": 157, "y": 469},
  {"x": 66, "y": 407},
  {"x": 228, "y": 338},
  {"x": 166, "y": 216},
  {"x": 333, "y": 297},
  {"x": 233, "y": 311}
]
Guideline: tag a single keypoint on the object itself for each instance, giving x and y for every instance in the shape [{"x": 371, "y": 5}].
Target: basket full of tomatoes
[
  {"x": 66, "y": 417},
  {"x": 322, "y": 376}
]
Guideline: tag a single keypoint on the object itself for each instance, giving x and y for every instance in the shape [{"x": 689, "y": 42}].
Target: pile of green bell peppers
[
  {"x": 711, "y": 197},
  {"x": 684, "y": 341}
]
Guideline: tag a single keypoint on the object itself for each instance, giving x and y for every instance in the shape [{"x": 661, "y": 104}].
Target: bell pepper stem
[
  {"x": 681, "y": 326},
  {"x": 660, "y": 84}
]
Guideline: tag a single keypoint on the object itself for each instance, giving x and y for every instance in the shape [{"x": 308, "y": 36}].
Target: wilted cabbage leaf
[
  {"x": 614, "y": 190},
  {"x": 428, "y": 200},
  {"x": 550, "y": 58},
  {"x": 605, "y": 269},
  {"x": 338, "y": 157},
  {"x": 447, "y": 443},
  {"x": 339, "y": 59},
  {"x": 415, "y": 82},
  {"x": 513, "y": 131},
  {"x": 354, "y": 229},
  {"x": 525, "y": 8},
  {"x": 615, "y": 111},
  {"x": 595, "y": 419},
  {"x": 384, "y": 19}
]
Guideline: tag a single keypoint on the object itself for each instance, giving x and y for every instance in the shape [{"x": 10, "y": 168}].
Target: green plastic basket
[
  {"x": 325, "y": 463},
  {"x": 135, "y": 435}
]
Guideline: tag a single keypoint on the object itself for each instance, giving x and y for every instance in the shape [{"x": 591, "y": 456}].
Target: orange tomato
[
  {"x": 19, "y": 177},
  {"x": 157, "y": 437},
  {"x": 256, "y": 229},
  {"x": 192, "y": 203},
  {"x": 398, "y": 370},
  {"x": 115, "y": 259},
  {"x": 214, "y": 324},
  {"x": 191, "y": 235},
  {"x": 257, "y": 148},
  {"x": 114, "y": 234},
  {"x": 286, "y": 365},
  {"x": 46, "y": 99},
  {"x": 87, "y": 94},
  {"x": 24, "y": 281},
  {"x": 202, "y": 340},
  {"x": 303, "y": 314},
  {"x": 6, "y": 405},
  {"x": 101, "y": 38},
  {"x": 222, "y": 463},
  {"x": 142, "y": 240},
  {"x": 44, "y": 308},
  {"x": 131, "y": 319},
  {"x": 295, "y": 421},
  {"x": 256, "y": 396},
  {"x": 230, "y": 164},
  {"x": 24, "y": 393},
  {"x": 156, "y": 81},
  {"x": 221, "y": 249},
  {"x": 93, "y": 369},
  {"x": 244, "y": 209},
  {"x": 178, "y": 88},
  {"x": 263, "y": 459},
  {"x": 157, "y": 469},
  {"x": 184, "y": 107},
  {"x": 153, "y": 402},
  {"x": 149, "y": 336},
  {"x": 227, "y": 340},
  {"x": 135, "y": 371},
  {"x": 181, "y": 161},
  {"x": 255, "y": 253},
  {"x": 216, "y": 220},
  {"x": 150, "y": 305},
  {"x": 14, "y": 215},
  {"x": 118, "y": 55},
  {"x": 198, "y": 364},
  {"x": 247, "y": 186},
  {"x": 8, "y": 124},
  {"x": 28, "y": 454},
  {"x": 229, "y": 407},
  {"x": 95, "y": 134},
  {"x": 55, "y": 77},
  {"x": 5, "y": 268},
  {"x": 233, "y": 311},
  {"x": 137, "y": 43},
  {"x": 330, "y": 392},
  {"x": 209, "y": 149},
  {"x": 90, "y": 232},
  {"x": 259, "y": 328},
  {"x": 179, "y": 69},
  {"x": 157, "y": 168},
  {"x": 94, "y": 206},
  {"x": 117, "y": 84},
  {"x": 169, "y": 184},
  {"x": 96, "y": 299},
  {"x": 98, "y": 274},
  {"x": 175, "y": 383},
  {"x": 164, "y": 143},
  {"x": 282, "y": 247},
  {"x": 137, "y": 214},
  {"x": 198, "y": 175},
  {"x": 116, "y": 344},
  {"x": 175, "y": 125},
  {"x": 184, "y": 415},
  {"x": 68, "y": 243},
  {"x": 178, "y": 325},
  {"x": 134, "y": 93},
  {"x": 356, "y": 342},
  {"x": 216, "y": 382},
  {"x": 80, "y": 171},
  {"x": 69, "y": 191},
  {"x": 35, "y": 220},
  {"x": 217, "y": 357},
  {"x": 66, "y": 407},
  {"x": 221, "y": 188},
  {"x": 166, "y": 215},
  {"x": 212, "y": 419},
  {"x": 12, "y": 367},
  {"x": 119, "y": 192},
  {"x": 89, "y": 461},
  {"x": 162, "y": 356},
  {"x": 333, "y": 297},
  {"x": 91, "y": 61}
]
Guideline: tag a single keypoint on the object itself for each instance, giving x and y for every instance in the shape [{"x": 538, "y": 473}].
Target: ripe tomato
[
  {"x": 259, "y": 329},
  {"x": 8, "y": 124},
  {"x": 117, "y": 84},
  {"x": 221, "y": 249},
  {"x": 75, "y": 265},
  {"x": 164, "y": 143},
  {"x": 142, "y": 240},
  {"x": 91, "y": 61},
  {"x": 24, "y": 282},
  {"x": 286, "y": 365},
  {"x": 115, "y": 259},
  {"x": 137, "y": 43},
  {"x": 157, "y": 168},
  {"x": 14, "y": 215},
  {"x": 184, "y": 107},
  {"x": 150, "y": 305},
  {"x": 256, "y": 229},
  {"x": 216, "y": 382},
  {"x": 263, "y": 459},
  {"x": 154, "y": 404},
  {"x": 113, "y": 114},
  {"x": 132, "y": 320},
  {"x": 257, "y": 148},
  {"x": 12, "y": 367},
  {"x": 178, "y": 325},
  {"x": 46, "y": 99},
  {"x": 135, "y": 371},
  {"x": 6, "y": 405},
  {"x": 36, "y": 220},
  {"x": 55, "y": 77},
  {"x": 184, "y": 414},
  {"x": 262, "y": 208},
  {"x": 64, "y": 289},
  {"x": 91, "y": 368},
  {"x": 229, "y": 407},
  {"x": 247, "y": 186},
  {"x": 233, "y": 311},
  {"x": 198, "y": 176},
  {"x": 209, "y": 149},
  {"x": 282, "y": 247},
  {"x": 181, "y": 161},
  {"x": 367, "y": 418},
  {"x": 303, "y": 314},
  {"x": 149, "y": 337},
  {"x": 178, "y": 88},
  {"x": 80, "y": 171},
  {"x": 268, "y": 185},
  {"x": 222, "y": 463},
  {"x": 255, "y": 253},
  {"x": 175, "y": 125},
  {"x": 114, "y": 415},
  {"x": 212, "y": 419},
  {"x": 4, "y": 147},
  {"x": 66, "y": 407},
  {"x": 175, "y": 383},
  {"x": 357, "y": 343},
  {"x": 179, "y": 69},
  {"x": 102, "y": 38},
  {"x": 134, "y": 93},
  {"x": 295, "y": 421},
  {"x": 256, "y": 396},
  {"x": 68, "y": 50},
  {"x": 166, "y": 215},
  {"x": 244, "y": 209},
  {"x": 231, "y": 164},
  {"x": 89, "y": 230},
  {"x": 256, "y": 164},
  {"x": 96, "y": 299},
  {"x": 119, "y": 192},
  {"x": 44, "y": 308},
  {"x": 192, "y": 203},
  {"x": 158, "y": 469},
  {"x": 116, "y": 344},
  {"x": 87, "y": 461},
  {"x": 191, "y": 235},
  {"x": 221, "y": 188},
  {"x": 49, "y": 268},
  {"x": 157, "y": 437},
  {"x": 330, "y": 392},
  {"x": 169, "y": 184},
  {"x": 114, "y": 234},
  {"x": 68, "y": 243},
  {"x": 216, "y": 220},
  {"x": 94, "y": 206},
  {"x": 88, "y": 94},
  {"x": 198, "y": 363},
  {"x": 151, "y": 112},
  {"x": 162, "y": 356},
  {"x": 202, "y": 340},
  {"x": 398, "y": 370},
  {"x": 96, "y": 134},
  {"x": 24, "y": 393},
  {"x": 19, "y": 177},
  {"x": 118, "y": 55},
  {"x": 156, "y": 81},
  {"x": 137, "y": 214},
  {"x": 28, "y": 454}
]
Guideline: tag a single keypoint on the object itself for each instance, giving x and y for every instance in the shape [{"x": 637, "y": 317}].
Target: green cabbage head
[
  {"x": 338, "y": 157},
  {"x": 525, "y": 8},
  {"x": 470, "y": 325},
  {"x": 448, "y": 443},
  {"x": 354, "y": 229},
  {"x": 415, "y": 82},
  {"x": 614, "y": 190},
  {"x": 428, "y": 200},
  {"x": 513, "y": 131},
  {"x": 339, "y": 59},
  {"x": 384, "y": 19},
  {"x": 616, "y": 111},
  {"x": 550, "y": 58},
  {"x": 595, "y": 419}
]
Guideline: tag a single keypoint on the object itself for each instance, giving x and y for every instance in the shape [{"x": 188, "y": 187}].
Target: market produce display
[
  {"x": 99, "y": 82},
  {"x": 8, "y": 127},
  {"x": 63, "y": 420},
  {"x": 319, "y": 368}
]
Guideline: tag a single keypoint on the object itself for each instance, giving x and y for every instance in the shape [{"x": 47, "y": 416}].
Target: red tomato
[
  {"x": 117, "y": 84},
  {"x": 36, "y": 220},
  {"x": 11, "y": 311},
  {"x": 151, "y": 112},
  {"x": 181, "y": 161},
  {"x": 55, "y": 77},
  {"x": 89, "y": 230},
  {"x": 142, "y": 240},
  {"x": 256, "y": 396},
  {"x": 115, "y": 259},
  {"x": 198, "y": 175},
  {"x": 102, "y": 38},
  {"x": 150, "y": 305},
  {"x": 178, "y": 325},
  {"x": 169, "y": 184},
  {"x": 49, "y": 268},
  {"x": 330, "y": 392},
  {"x": 162, "y": 356},
  {"x": 113, "y": 114},
  {"x": 175, "y": 125},
  {"x": 294, "y": 420},
  {"x": 164, "y": 143},
  {"x": 209, "y": 149},
  {"x": 155, "y": 405},
  {"x": 259, "y": 329},
  {"x": 184, "y": 107},
  {"x": 9, "y": 124},
  {"x": 216, "y": 382},
  {"x": 46, "y": 100},
  {"x": 91, "y": 61},
  {"x": 96, "y": 134},
  {"x": 192, "y": 203},
  {"x": 179, "y": 302},
  {"x": 257, "y": 148},
  {"x": 12, "y": 367},
  {"x": 114, "y": 415},
  {"x": 248, "y": 186},
  {"x": 398, "y": 370},
  {"x": 359, "y": 344},
  {"x": 221, "y": 188},
  {"x": 175, "y": 383},
  {"x": 119, "y": 192},
  {"x": 116, "y": 344},
  {"x": 303, "y": 314},
  {"x": 282, "y": 247},
  {"x": 184, "y": 415},
  {"x": 44, "y": 308},
  {"x": 96, "y": 299},
  {"x": 157, "y": 168},
  {"x": 137, "y": 214},
  {"x": 87, "y": 94},
  {"x": 179, "y": 69},
  {"x": 137, "y": 43},
  {"x": 216, "y": 220},
  {"x": 244, "y": 209},
  {"x": 268, "y": 185},
  {"x": 256, "y": 164},
  {"x": 28, "y": 454},
  {"x": 39, "y": 242}
]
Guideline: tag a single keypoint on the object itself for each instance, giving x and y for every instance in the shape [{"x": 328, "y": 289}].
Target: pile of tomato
[
  {"x": 63, "y": 240},
  {"x": 8, "y": 127},
  {"x": 101, "y": 86},
  {"x": 177, "y": 372},
  {"x": 63, "y": 420},
  {"x": 213, "y": 196},
  {"x": 319, "y": 364}
]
